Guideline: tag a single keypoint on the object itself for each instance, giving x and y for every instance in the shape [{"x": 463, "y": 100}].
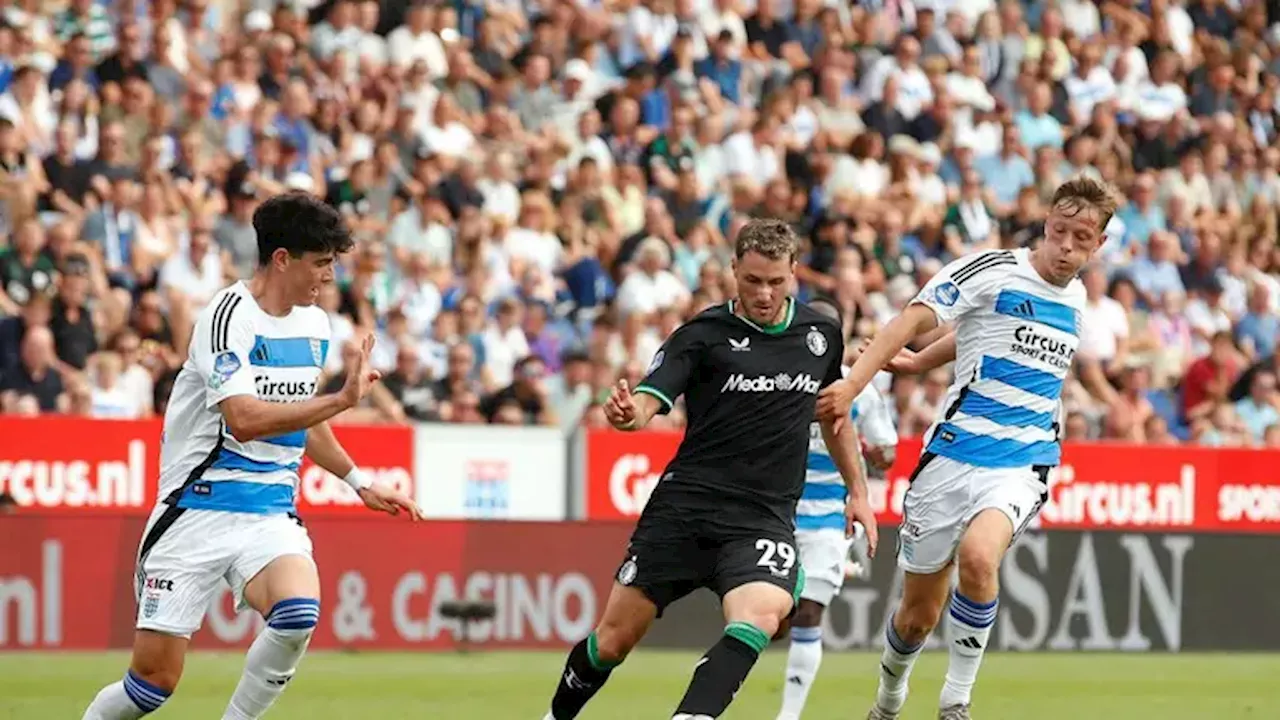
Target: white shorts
[
  {"x": 822, "y": 555},
  {"x": 182, "y": 561},
  {"x": 946, "y": 495}
]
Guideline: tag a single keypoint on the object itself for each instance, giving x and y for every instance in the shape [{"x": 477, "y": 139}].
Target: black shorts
[{"x": 675, "y": 551}]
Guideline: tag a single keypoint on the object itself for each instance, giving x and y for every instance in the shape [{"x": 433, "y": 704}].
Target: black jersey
[{"x": 750, "y": 393}]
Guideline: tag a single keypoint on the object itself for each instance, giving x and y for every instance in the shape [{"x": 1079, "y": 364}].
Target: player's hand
[
  {"x": 360, "y": 374},
  {"x": 861, "y": 513},
  {"x": 834, "y": 403},
  {"x": 620, "y": 408},
  {"x": 384, "y": 498}
]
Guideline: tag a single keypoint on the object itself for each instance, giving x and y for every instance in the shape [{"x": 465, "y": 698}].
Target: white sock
[
  {"x": 126, "y": 699},
  {"x": 273, "y": 657},
  {"x": 895, "y": 668},
  {"x": 970, "y": 627},
  {"x": 803, "y": 661}
]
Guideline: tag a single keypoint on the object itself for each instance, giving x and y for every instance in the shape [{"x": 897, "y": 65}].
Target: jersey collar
[{"x": 770, "y": 329}]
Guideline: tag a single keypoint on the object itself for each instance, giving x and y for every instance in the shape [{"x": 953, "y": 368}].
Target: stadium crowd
[{"x": 543, "y": 189}]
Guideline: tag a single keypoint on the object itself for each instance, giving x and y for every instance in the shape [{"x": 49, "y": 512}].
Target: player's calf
[
  {"x": 152, "y": 677},
  {"x": 273, "y": 658},
  {"x": 804, "y": 657},
  {"x": 626, "y": 619},
  {"x": 753, "y": 611},
  {"x": 923, "y": 597},
  {"x": 974, "y": 602}
]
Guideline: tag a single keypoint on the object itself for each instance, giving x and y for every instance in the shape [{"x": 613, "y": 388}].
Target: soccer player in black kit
[{"x": 722, "y": 515}]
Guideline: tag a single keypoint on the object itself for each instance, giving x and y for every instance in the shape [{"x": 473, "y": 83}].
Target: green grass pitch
[{"x": 517, "y": 686}]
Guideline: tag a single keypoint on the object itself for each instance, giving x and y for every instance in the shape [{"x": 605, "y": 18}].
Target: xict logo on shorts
[
  {"x": 804, "y": 383},
  {"x": 151, "y": 598},
  {"x": 158, "y": 584}
]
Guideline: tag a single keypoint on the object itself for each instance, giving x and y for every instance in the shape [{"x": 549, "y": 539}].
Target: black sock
[
  {"x": 722, "y": 670},
  {"x": 584, "y": 674}
]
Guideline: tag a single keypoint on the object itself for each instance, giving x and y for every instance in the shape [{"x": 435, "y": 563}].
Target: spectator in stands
[
  {"x": 35, "y": 384},
  {"x": 376, "y": 407},
  {"x": 525, "y": 401},
  {"x": 526, "y": 186},
  {"x": 71, "y": 319},
  {"x": 1104, "y": 325},
  {"x": 35, "y": 313},
  {"x": 25, "y": 270},
  {"x": 1257, "y": 331},
  {"x": 1209, "y": 379},
  {"x": 1261, "y": 409},
  {"x": 412, "y": 387}
]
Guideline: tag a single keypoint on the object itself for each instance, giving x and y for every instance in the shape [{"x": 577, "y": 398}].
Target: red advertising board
[
  {"x": 1098, "y": 486},
  {"x": 67, "y": 582},
  {"x": 58, "y": 464}
]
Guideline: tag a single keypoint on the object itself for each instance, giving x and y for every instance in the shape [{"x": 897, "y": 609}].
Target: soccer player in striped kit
[
  {"x": 824, "y": 534},
  {"x": 242, "y": 414},
  {"x": 983, "y": 472}
]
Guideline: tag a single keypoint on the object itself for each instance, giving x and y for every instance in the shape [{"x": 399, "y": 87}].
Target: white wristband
[{"x": 357, "y": 479}]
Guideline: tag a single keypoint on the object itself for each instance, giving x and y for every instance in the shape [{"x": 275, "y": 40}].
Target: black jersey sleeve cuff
[{"x": 667, "y": 403}]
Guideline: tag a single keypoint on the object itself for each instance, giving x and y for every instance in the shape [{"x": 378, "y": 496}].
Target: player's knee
[
  {"x": 808, "y": 614},
  {"x": 913, "y": 629},
  {"x": 916, "y": 618},
  {"x": 979, "y": 568},
  {"x": 154, "y": 676},
  {"x": 295, "y": 617},
  {"x": 766, "y": 621},
  {"x": 615, "y": 640}
]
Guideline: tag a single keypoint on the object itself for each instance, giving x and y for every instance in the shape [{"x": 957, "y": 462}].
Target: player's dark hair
[
  {"x": 769, "y": 237},
  {"x": 299, "y": 222},
  {"x": 1083, "y": 193}
]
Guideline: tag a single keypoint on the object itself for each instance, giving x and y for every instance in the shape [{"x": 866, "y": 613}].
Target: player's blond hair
[
  {"x": 769, "y": 237},
  {"x": 1082, "y": 194}
]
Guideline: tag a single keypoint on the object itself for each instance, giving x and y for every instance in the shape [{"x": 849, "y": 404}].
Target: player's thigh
[
  {"x": 935, "y": 509},
  {"x": 822, "y": 555},
  {"x": 1005, "y": 502},
  {"x": 663, "y": 562},
  {"x": 181, "y": 561},
  {"x": 274, "y": 563},
  {"x": 924, "y": 595},
  {"x": 759, "y": 578}
]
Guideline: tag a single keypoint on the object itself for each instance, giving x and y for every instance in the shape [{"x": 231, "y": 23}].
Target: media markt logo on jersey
[
  {"x": 804, "y": 383},
  {"x": 487, "y": 488}
]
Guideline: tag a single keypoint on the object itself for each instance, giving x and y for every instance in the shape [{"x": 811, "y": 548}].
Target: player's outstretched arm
[
  {"x": 909, "y": 362},
  {"x": 938, "y": 353},
  {"x": 844, "y": 446},
  {"x": 248, "y": 418},
  {"x": 834, "y": 401},
  {"x": 324, "y": 450}
]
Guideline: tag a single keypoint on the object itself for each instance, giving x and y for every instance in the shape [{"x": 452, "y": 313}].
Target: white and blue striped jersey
[
  {"x": 238, "y": 349},
  {"x": 821, "y": 505},
  {"x": 1016, "y": 335}
]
